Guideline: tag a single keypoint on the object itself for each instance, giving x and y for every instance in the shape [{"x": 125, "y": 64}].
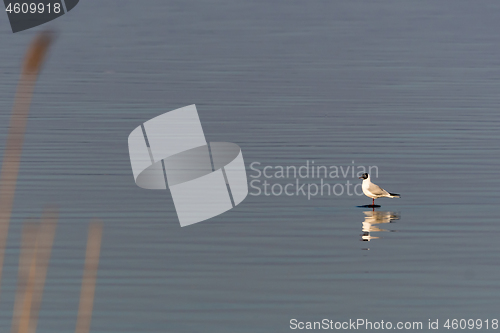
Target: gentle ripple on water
[{"x": 411, "y": 88}]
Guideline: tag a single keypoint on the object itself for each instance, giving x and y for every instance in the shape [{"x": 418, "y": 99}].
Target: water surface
[{"x": 412, "y": 88}]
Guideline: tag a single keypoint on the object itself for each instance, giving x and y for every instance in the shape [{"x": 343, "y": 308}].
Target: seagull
[{"x": 374, "y": 191}]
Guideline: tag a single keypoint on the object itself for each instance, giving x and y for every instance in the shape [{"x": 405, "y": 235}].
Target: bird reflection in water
[{"x": 372, "y": 219}]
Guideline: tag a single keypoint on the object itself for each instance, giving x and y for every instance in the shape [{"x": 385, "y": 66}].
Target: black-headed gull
[{"x": 374, "y": 191}]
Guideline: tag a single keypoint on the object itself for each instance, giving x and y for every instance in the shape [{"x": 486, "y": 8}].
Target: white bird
[{"x": 374, "y": 191}]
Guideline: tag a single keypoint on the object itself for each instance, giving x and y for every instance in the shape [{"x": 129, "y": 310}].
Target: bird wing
[{"x": 377, "y": 190}]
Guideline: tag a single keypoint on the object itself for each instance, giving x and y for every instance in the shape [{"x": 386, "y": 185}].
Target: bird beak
[{"x": 360, "y": 178}]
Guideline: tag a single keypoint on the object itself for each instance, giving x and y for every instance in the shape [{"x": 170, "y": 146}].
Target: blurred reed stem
[
  {"x": 36, "y": 248},
  {"x": 89, "y": 277},
  {"x": 34, "y": 59}
]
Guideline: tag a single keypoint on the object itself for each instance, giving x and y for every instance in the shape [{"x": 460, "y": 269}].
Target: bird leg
[{"x": 373, "y": 202}]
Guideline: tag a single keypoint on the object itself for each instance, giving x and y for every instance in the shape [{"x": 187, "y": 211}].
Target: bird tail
[{"x": 394, "y": 195}]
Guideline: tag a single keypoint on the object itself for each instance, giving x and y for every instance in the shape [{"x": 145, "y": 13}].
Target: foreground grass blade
[
  {"x": 13, "y": 148},
  {"x": 89, "y": 277},
  {"x": 36, "y": 247}
]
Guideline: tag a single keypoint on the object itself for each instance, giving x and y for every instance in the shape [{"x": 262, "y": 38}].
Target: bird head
[{"x": 364, "y": 176}]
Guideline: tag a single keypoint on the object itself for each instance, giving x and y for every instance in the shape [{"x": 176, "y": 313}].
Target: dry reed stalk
[
  {"x": 13, "y": 148},
  {"x": 26, "y": 276},
  {"x": 89, "y": 277},
  {"x": 45, "y": 240},
  {"x": 36, "y": 247}
]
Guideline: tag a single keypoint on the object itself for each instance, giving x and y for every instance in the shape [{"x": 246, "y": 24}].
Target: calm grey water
[{"x": 410, "y": 87}]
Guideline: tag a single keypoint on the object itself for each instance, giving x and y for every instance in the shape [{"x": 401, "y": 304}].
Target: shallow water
[{"x": 412, "y": 88}]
